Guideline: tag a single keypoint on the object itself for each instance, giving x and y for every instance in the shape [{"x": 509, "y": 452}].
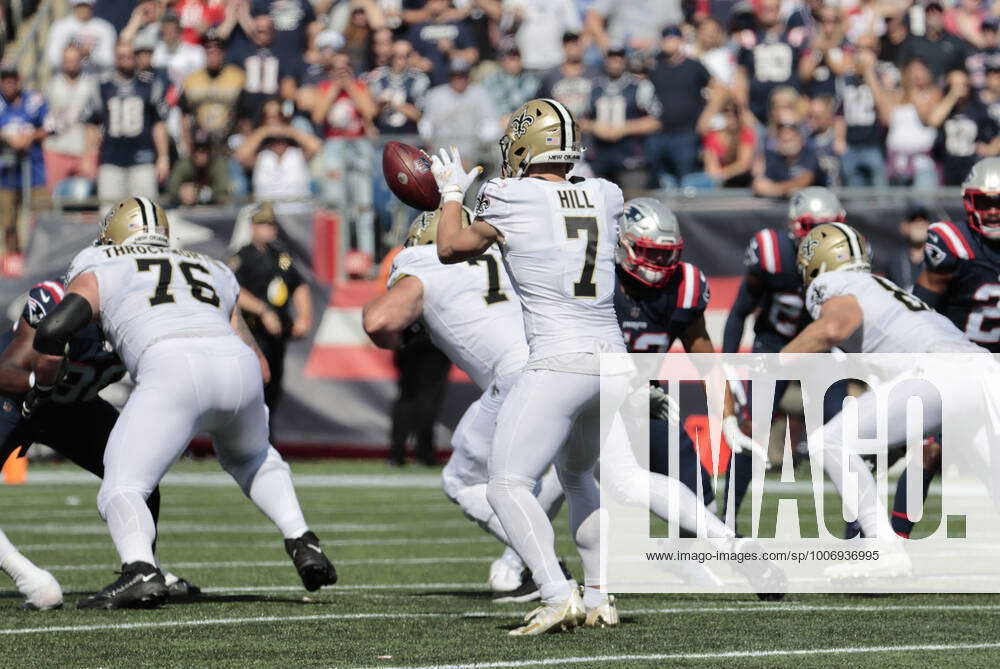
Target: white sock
[
  {"x": 131, "y": 526},
  {"x": 6, "y": 547},
  {"x": 19, "y": 568},
  {"x": 512, "y": 559},
  {"x": 592, "y": 597}
]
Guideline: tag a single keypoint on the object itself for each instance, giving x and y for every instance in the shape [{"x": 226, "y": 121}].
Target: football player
[
  {"x": 858, "y": 312},
  {"x": 959, "y": 279},
  {"x": 40, "y": 588},
  {"x": 471, "y": 313},
  {"x": 772, "y": 287},
  {"x": 170, "y": 315},
  {"x": 558, "y": 236},
  {"x": 77, "y": 422}
]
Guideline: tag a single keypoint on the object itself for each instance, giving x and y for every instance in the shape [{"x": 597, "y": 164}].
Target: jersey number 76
[{"x": 200, "y": 290}]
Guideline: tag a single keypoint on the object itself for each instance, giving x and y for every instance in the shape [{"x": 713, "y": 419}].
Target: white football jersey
[
  {"x": 895, "y": 321},
  {"x": 470, "y": 310},
  {"x": 151, "y": 293},
  {"x": 559, "y": 243}
]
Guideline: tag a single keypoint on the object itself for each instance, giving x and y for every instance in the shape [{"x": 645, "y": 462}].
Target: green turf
[{"x": 57, "y": 526}]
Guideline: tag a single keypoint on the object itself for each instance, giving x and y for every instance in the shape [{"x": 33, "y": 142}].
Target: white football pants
[{"x": 185, "y": 387}]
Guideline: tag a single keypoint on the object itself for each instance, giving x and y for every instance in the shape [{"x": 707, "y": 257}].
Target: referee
[{"x": 274, "y": 299}]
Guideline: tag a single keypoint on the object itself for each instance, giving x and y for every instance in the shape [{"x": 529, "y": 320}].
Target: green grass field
[{"x": 412, "y": 592}]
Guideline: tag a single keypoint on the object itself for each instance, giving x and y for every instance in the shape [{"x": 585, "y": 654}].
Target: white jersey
[
  {"x": 895, "y": 321},
  {"x": 470, "y": 310},
  {"x": 152, "y": 293},
  {"x": 558, "y": 245}
]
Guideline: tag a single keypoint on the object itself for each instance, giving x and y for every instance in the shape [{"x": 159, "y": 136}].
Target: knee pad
[
  {"x": 474, "y": 504},
  {"x": 501, "y": 487}
]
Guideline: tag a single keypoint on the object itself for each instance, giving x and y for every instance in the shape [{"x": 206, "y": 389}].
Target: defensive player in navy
[{"x": 170, "y": 315}]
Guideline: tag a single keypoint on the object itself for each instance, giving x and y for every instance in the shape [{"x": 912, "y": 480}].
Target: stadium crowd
[{"x": 205, "y": 101}]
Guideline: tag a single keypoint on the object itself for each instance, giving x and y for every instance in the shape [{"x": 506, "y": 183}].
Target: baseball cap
[
  {"x": 212, "y": 37},
  {"x": 570, "y": 36},
  {"x": 74, "y": 3},
  {"x": 459, "y": 66},
  {"x": 9, "y": 70},
  {"x": 915, "y": 210},
  {"x": 330, "y": 39},
  {"x": 264, "y": 214},
  {"x": 991, "y": 23},
  {"x": 672, "y": 31},
  {"x": 616, "y": 49},
  {"x": 934, "y": 5},
  {"x": 145, "y": 41}
]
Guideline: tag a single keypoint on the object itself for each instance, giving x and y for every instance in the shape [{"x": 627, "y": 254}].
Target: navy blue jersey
[
  {"x": 91, "y": 363},
  {"x": 967, "y": 126},
  {"x": 407, "y": 87},
  {"x": 770, "y": 257},
  {"x": 264, "y": 72},
  {"x": 972, "y": 300},
  {"x": 128, "y": 110},
  {"x": 769, "y": 63},
  {"x": 652, "y": 318},
  {"x": 613, "y": 102},
  {"x": 857, "y": 106}
]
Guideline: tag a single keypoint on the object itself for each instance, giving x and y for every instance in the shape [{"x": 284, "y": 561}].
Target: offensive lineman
[
  {"x": 170, "y": 315},
  {"x": 857, "y": 311},
  {"x": 471, "y": 314}
]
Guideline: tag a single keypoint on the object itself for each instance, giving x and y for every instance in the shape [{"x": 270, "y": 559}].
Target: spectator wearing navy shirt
[
  {"x": 571, "y": 82},
  {"x": 990, "y": 94},
  {"x": 623, "y": 111},
  {"x": 439, "y": 41},
  {"x": 966, "y": 131},
  {"x": 939, "y": 49},
  {"x": 268, "y": 75},
  {"x": 682, "y": 83},
  {"x": 788, "y": 163},
  {"x": 859, "y": 129},
  {"x": 766, "y": 60},
  {"x": 824, "y": 60},
  {"x": 398, "y": 91},
  {"x": 134, "y": 153},
  {"x": 22, "y": 131},
  {"x": 291, "y": 19},
  {"x": 981, "y": 60},
  {"x": 510, "y": 85}
]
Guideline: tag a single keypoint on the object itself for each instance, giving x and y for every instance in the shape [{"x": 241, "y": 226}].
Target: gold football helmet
[
  {"x": 541, "y": 131},
  {"x": 423, "y": 229},
  {"x": 832, "y": 246},
  {"x": 137, "y": 220}
]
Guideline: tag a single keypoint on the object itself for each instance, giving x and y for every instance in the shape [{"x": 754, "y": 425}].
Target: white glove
[
  {"x": 662, "y": 406},
  {"x": 452, "y": 179},
  {"x": 739, "y": 442}
]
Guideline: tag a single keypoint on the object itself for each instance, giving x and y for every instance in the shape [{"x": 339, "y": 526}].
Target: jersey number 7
[
  {"x": 200, "y": 290},
  {"x": 585, "y": 287}
]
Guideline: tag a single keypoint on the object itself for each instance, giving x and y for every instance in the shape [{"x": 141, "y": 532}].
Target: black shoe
[
  {"x": 427, "y": 459},
  {"x": 528, "y": 590},
  {"x": 182, "y": 589},
  {"x": 140, "y": 586},
  {"x": 314, "y": 568}
]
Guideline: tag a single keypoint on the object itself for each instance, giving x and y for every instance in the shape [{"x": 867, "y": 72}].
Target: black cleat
[
  {"x": 141, "y": 586},
  {"x": 181, "y": 589},
  {"x": 314, "y": 568},
  {"x": 528, "y": 590}
]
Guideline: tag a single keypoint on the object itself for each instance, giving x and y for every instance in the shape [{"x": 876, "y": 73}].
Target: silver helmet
[
  {"x": 649, "y": 241},
  {"x": 812, "y": 206},
  {"x": 981, "y": 197}
]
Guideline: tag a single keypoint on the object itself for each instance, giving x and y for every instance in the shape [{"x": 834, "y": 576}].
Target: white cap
[{"x": 330, "y": 39}]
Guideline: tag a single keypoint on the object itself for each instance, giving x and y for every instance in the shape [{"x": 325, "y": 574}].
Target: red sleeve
[
  {"x": 711, "y": 142},
  {"x": 747, "y": 136}
]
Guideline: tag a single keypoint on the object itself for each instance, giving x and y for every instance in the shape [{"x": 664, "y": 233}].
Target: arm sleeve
[
  {"x": 938, "y": 253},
  {"x": 743, "y": 306}
]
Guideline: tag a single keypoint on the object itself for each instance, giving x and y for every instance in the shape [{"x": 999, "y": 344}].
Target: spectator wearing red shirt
[
  {"x": 729, "y": 145},
  {"x": 198, "y": 16},
  {"x": 343, "y": 113}
]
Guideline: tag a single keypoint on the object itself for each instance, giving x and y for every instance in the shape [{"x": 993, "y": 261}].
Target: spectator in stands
[
  {"x": 143, "y": 24},
  {"x": 22, "y": 131},
  {"x": 198, "y": 17},
  {"x": 788, "y": 162},
  {"x": 177, "y": 57},
  {"x": 538, "y": 25},
  {"x": 134, "y": 155},
  {"x": 964, "y": 20},
  {"x": 290, "y": 20},
  {"x": 869, "y": 18},
  {"x": 729, "y": 142},
  {"x": 966, "y": 131},
  {"x": 238, "y": 30},
  {"x": 824, "y": 60},
  {"x": 822, "y": 122},
  {"x": 460, "y": 114},
  {"x": 440, "y": 41},
  {"x": 683, "y": 83},
  {"x": 622, "y": 113},
  {"x": 636, "y": 24},
  {"x": 766, "y": 60},
  {"x": 713, "y": 51},
  {"x": 266, "y": 73},
  {"x": 344, "y": 114},
  {"x": 279, "y": 155},
  {"x": 890, "y": 44},
  {"x": 274, "y": 298},
  {"x": 398, "y": 90},
  {"x": 366, "y": 20},
  {"x": 909, "y": 140},
  {"x": 70, "y": 151},
  {"x": 202, "y": 177},
  {"x": 859, "y": 129},
  {"x": 210, "y": 97},
  {"x": 979, "y": 60},
  {"x": 382, "y": 41},
  {"x": 990, "y": 95},
  {"x": 510, "y": 85},
  {"x": 571, "y": 82},
  {"x": 94, "y": 37},
  {"x": 905, "y": 265},
  {"x": 941, "y": 51}
]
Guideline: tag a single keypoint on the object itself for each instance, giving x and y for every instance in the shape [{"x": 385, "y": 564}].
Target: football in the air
[{"x": 407, "y": 170}]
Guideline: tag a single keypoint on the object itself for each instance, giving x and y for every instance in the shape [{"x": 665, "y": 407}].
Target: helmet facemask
[
  {"x": 801, "y": 226},
  {"x": 983, "y": 210},
  {"x": 646, "y": 261}
]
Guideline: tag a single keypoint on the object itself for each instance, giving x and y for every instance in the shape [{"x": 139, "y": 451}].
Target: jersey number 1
[
  {"x": 585, "y": 287},
  {"x": 494, "y": 293},
  {"x": 200, "y": 290}
]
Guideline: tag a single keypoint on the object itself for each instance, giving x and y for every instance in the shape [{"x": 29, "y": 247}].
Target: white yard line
[
  {"x": 280, "y": 563},
  {"x": 221, "y": 479},
  {"x": 168, "y": 543},
  {"x": 166, "y": 528},
  {"x": 749, "y": 608}
]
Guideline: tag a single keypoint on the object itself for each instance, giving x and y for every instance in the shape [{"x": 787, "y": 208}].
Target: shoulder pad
[
  {"x": 764, "y": 252},
  {"x": 692, "y": 290},
  {"x": 42, "y": 298},
  {"x": 947, "y": 245}
]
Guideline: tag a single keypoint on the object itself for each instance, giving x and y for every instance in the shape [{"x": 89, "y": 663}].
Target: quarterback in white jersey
[
  {"x": 558, "y": 238},
  {"x": 171, "y": 316},
  {"x": 858, "y": 312},
  {"x": 471, "y": 313}
]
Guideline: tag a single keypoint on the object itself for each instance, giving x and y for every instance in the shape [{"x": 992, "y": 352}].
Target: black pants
[
  {"x": 273, "y": 349},
  {"x": 78, "y": 431},
  {"x": 423, "y": 375}
]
